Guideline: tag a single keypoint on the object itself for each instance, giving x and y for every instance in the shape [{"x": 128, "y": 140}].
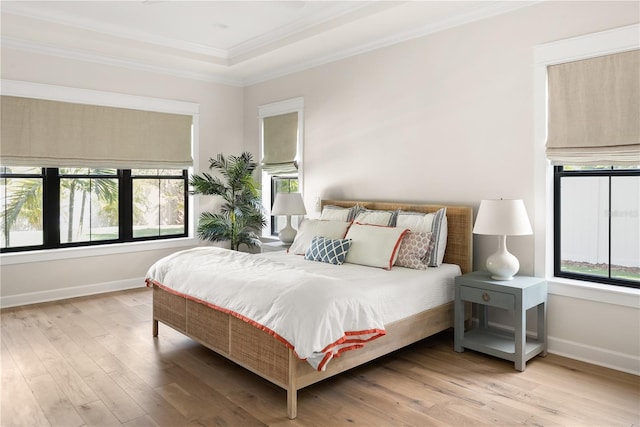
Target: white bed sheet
[{"x": 400, "y": 292}]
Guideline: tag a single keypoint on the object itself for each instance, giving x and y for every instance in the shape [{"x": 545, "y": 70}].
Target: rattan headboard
[{"x": 459, "y": 219}]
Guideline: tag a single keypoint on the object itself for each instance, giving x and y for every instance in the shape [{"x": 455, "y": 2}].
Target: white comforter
[{"x": 317, "y": 315}]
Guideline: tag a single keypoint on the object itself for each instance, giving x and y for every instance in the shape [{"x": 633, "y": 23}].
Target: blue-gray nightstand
[{"x": 519, "y": 294}]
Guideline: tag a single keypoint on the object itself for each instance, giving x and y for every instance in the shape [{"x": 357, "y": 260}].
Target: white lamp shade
[
  {"x": 502, "y": 218},
  {"x": 288, "y": 204}
]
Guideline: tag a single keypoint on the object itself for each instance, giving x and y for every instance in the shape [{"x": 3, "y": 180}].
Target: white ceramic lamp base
[
  {"x": 288, "y": 233},
  {"x": 502, "y": 265}
]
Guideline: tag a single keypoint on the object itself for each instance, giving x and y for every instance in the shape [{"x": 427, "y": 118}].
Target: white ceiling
[{"x": 232, "y": 42}]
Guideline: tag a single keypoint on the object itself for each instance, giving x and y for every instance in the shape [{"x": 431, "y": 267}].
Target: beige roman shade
[
  {"x": 594, "y": 110},
  {"x": 38, "y": 132},
  {"x": 280, "y": 143}
]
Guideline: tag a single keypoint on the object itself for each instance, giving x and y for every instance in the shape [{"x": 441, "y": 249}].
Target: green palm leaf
[{"x": 240, "y": 219}]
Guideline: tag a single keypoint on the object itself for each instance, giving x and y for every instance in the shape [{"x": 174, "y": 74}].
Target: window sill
[
  {"x": 89, "y": 251},
  {"x": 609, "y": 294}
]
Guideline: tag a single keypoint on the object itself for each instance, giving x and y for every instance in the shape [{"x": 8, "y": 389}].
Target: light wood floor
[{"x": 92, "y": 361}]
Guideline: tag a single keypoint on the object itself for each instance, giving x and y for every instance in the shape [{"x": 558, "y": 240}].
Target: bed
[{"x": 265, "y": 354}]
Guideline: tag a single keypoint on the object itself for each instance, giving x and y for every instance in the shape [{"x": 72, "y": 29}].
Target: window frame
[
  {"x": 558, "y": 174},
  {"x": 51, "y": 211}
]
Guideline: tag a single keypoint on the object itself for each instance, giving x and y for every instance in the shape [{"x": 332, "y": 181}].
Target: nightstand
[
  {"x": 519, "y": 294},
  {"x": 273, "y": 246}
]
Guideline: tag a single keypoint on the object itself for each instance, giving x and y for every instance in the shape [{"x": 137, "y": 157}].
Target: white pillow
[
  {"x": 375, "y": 217},
  {"x": 435, "y": 223},
  {"x": 311, "y": 228},
  {"x": 374, "y": 245},
  {"x": 417, "y": 222},
  {"x": 338, "y": 213}
]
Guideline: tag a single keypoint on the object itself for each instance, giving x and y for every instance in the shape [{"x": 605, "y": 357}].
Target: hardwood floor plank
[
  {"x": 95, "y": 356},
  {"x": 24, "y": 356},
  {"x": 56, "y": 364},
  {"x": 18, "y": 406},
  {"x": 56, "y": 406},
  {"x": 114, "y": 397},
  {"x": 224, "y": 411},
  {"x": 92, "y": 348},
  {"x": 146, "y": 365},
  {"x": 145, "y": 421},
  {"x": 158, "y": 409},
  {"x": 96, "y": 414}
]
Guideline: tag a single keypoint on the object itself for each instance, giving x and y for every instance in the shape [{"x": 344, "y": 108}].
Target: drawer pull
[{"x": 485, "y": 297}]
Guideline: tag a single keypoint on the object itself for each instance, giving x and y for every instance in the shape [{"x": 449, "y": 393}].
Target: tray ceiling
[{"x": 232, "y": 42}]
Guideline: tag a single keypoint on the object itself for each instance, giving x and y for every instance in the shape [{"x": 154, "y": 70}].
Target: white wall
[
  {"x": 450, "y": 118},
  {"x": 220, "y": 130}
]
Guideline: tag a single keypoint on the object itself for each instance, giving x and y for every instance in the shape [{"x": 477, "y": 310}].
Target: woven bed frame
[{"x": 264, "y": 355}]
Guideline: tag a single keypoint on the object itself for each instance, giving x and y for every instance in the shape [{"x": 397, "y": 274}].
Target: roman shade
[
  {"x": 280, "y": 144},
  {"x": 594, "y": 110},
  {"x": 39, "y": 132}
]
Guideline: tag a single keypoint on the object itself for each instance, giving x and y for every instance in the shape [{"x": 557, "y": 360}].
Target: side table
[{"x": 519, "y": 294}]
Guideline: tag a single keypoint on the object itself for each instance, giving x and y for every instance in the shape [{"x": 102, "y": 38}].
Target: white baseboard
[
  {"x": 595, "y": 355},
  {"x": 583, "y": 352},
  {"x": 71, "y": 292}
]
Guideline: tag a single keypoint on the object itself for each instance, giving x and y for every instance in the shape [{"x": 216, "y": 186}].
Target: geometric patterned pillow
[
  {"x": 328, "y": 250},
  {"x": 414, "y": 250},
  {"x": 436, "y": 223}
]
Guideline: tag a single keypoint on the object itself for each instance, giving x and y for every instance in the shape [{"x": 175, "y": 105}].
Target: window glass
[
  {"x": 21, "y": 206},
  {"x": 158, "y": 204},
  {"x": 584, "y": 222},
  {"x": 20, "y": 170},
  {"x": 88, "y": 209},
  {"x": 625, "y": 227},
  {"x": 283, "y": 184},
  {"x": 598, "y": 224}
]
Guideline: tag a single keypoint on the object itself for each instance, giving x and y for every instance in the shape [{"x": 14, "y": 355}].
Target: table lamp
[
  {"x": 502, "y": 218},
  {"x": 288, "y": 204}
]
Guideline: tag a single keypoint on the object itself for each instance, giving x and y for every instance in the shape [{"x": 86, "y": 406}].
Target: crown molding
[
  {"x": 301, "y": 28},
  {"x": 14, "y": 8},
  {"x": 39, "y": 48}
]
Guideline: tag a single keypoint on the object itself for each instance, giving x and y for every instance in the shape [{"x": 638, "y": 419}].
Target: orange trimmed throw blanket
[{"x": 317, "y": 316}]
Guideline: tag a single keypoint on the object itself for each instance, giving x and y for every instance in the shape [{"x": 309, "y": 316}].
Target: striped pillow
[{"x": 435, "y": 223}]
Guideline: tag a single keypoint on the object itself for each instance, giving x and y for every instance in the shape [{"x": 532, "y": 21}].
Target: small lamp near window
[
  {"x": 288, "y": 204},
  {"x": 502, "y": 218}
]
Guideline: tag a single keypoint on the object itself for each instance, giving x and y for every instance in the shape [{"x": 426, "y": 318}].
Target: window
[
  {"x": 48, "y": 208},
  {"x": 21, "y": 206},
  {"x": 281, "y": 127},
  {"x": 597, "y": 224},
  {"x": 88, "y": 204},
  {"x": 282, "y": 184},
  {"x": 158, "y": 202}
]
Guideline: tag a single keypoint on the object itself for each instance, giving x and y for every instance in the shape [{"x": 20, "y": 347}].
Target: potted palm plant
[{"x": 240, "y": 219}]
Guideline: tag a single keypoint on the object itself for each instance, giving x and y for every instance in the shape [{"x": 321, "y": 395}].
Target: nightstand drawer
[{"x": 491, "y": 298}]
